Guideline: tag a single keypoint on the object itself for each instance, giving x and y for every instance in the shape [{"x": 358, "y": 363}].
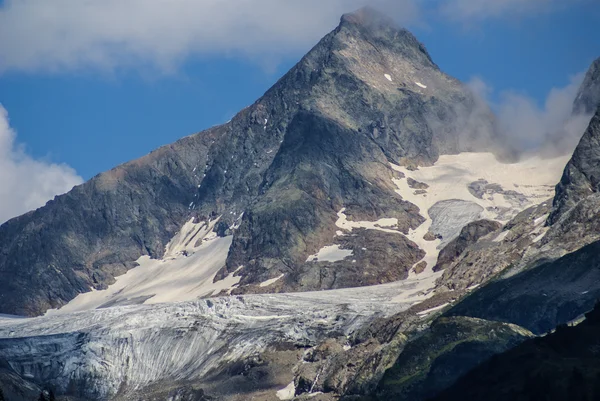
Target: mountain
[
  {"x": 581, "y": 177},
  {"x": 364, "y": 171},
  {"x": 275, "y": 177}
]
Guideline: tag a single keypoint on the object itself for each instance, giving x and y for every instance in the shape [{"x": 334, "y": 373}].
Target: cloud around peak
[
  {"x": 528, "y": 127},
  {"x": 55, "y": 35}
]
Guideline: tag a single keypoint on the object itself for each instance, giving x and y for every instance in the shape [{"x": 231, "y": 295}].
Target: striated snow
[
  {"x": 5, "y": 317},
  {"x": 330, "y": 253},
  {"x": 191, "y": 261},
  {"x": 140, "y": 344}
]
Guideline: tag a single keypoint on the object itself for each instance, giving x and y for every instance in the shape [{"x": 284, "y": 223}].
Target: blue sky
[{"x": 105, "y": 84}]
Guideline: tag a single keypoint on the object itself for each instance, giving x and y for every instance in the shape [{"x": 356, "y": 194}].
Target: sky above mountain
[{"x": 86, "y": 85}]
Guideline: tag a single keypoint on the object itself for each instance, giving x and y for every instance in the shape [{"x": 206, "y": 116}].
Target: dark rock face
[
  {"x": 416, "y": 184},
  {"x": 320, "y": 139},
  {"x": 581, "y": 177},
  {"x": 564, "y": 365},
  {"x": 469, "y": 235},
  {"x": 588, "y": 98},
  {"x": 543, "y": 297},
  {"x": 377, "y": 258},
  {"x": 446, "y": 351}
]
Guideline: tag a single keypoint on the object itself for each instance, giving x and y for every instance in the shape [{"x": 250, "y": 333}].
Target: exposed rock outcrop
[
  {"x": 443, "y": 353},
  {"x": 588, "y": 97},
  {"x": 581, "y": 177},
  {"x": 564, "y": 365},
  {"x": 469, "y": 235}
]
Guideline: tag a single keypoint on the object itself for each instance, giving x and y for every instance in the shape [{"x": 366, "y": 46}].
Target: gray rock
[
  {"x": 416, "y": 184},
  {"x": 588, "y": 97},
  {"x": 469, "y": 235},
  {"x": 540, "y": 298},
  {"x": 448, "y": 349},
  {"x": 581, "y": 177}
]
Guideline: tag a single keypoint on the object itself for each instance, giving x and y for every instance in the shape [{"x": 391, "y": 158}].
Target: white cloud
[
  {"x": 51, "y": 35},
  {"x": 26, "y": 183},
  {"x": 527, "y": 126},
  {"x": 479, "y": 10}
]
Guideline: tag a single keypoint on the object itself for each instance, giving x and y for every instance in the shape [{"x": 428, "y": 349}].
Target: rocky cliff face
[
  {"x": 469, "y": 235},
  {"x": 588, "y": 97},
  {"x": 581, "y": 177},
  {"x": 561, "y": 366},
  {"x": 277, "y": 175},
  {"x": 446, "y": 351}
]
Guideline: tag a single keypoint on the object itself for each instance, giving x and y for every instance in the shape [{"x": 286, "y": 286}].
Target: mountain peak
[
  {"x": 375, "y": 29},
  {"x": 368, "y": 17}
]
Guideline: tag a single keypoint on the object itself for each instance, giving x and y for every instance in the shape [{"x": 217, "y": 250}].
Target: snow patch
[
  {"x": 330, "y": 253},
  {"x": 541, "y": 219},
  {"x": 421, "y": 85},
  {"x": 428, "y": 311},
  {"x": 388, "y": 77},
  {"x": 501, "y": 237},
  {"x": 345, "y": 224},
  {"x": 271, "y": 281},
  {"x": 541, "y": 233},
  {"x": 450, "y": 177},
  {"x": 288, "y": 392}
]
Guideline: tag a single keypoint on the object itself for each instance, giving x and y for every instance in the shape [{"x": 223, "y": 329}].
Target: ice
[{"x": 142, "y": 344}]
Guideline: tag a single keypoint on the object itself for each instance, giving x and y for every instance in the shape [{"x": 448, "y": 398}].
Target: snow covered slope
[{"x": 466, "y": 187}]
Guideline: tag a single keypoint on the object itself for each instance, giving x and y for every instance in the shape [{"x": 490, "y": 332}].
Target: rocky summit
[{"x": 358, "y": 233}]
